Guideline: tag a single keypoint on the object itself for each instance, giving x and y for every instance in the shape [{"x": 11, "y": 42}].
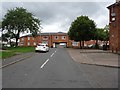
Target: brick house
[
  {"x": 114, "y": 22},
  {"x": 52, "y": 39},
  {"x": 48, "y": 38}
]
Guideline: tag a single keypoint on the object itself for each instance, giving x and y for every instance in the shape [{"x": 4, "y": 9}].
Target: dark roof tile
[
  {"x": 115, "y": 4},
  {"x": 53, "y": 33}
]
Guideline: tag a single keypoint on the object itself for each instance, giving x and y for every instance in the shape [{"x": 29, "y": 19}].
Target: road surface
[{"x": 56, "y": 69}]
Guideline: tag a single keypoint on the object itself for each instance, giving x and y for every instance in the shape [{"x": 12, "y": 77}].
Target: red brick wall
[
  {"x": 39, "y": 39},
  {"x": 119, "y": 28},
  {"x": 59, "y": 38},
  {"x": 51, "y": 39},
  {"x": 31, "y": 41},
  {"x": 115, "y": 29}
]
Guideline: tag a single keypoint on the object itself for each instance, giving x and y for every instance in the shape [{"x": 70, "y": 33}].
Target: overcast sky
[{"x": 57, "y": 16}]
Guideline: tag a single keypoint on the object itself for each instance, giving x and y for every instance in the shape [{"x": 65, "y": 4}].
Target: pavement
[
  {"x": 94, "y": 57},
  {"x": 16, "y": 58}
]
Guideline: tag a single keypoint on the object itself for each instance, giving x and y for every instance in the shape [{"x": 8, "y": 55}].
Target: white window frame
[
  {"x": 56, "y": 37},
  {"x": 75, "y": 43},
  {"x": 43, "y": 38},
  {"x": 21, "y": 43},
  {"x": 28, "y": 38},
  {"x": 34, "y": 43},
  {"x": 63, "y": 37},
  {"x": 33, "y": 38},
  {"x": 28, "y": 43},
  {"x": 23, "y": 39},
  {"x": 113, "y": 19}
]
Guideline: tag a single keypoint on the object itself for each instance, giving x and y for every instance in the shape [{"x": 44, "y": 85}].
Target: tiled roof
[
  {"x": 53, "y": 33},
  {"x": 115, "y": 4}
]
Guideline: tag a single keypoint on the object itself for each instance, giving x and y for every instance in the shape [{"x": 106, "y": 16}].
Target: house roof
[
  {"x": 51, "y": 33},
  {"x": 113, "y": 5}
]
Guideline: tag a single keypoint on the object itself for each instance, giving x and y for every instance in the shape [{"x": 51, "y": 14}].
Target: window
[
  {"x": 112, "y": 35},
  {"x": 75, "y": 44},
  {"x": 56, "y": 37},
  {"x": 28, "y": 43},
  {"x": 45, "y": 42},
  {"x": 113, "y": 19},
  {"x": 40, "y": 45},
  {"x": 63, "y": 37},
  {"x": 113, "y": 14},
  {"x": 45, "y": 37},
  {"x": 33, "y": 38},
  {"x": 22, "y": 39},
  {"x": 34, "y": 43},
  {"x": 22, "y": 43},
  {"x": 28, "y": 38},
  {"x": 114, "y": 24}
]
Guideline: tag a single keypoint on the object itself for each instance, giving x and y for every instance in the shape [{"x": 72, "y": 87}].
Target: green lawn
[
  {"x": 21, "y": 49},
  {"x": 4, "y": 54},
  {"x": 15, "y": 50}
]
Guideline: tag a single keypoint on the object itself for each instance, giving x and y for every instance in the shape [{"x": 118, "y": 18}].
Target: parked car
[
  {"x": 90, "y": 46},
  {"x": 62, "y": 45},
  {"x": 42, "y": 47}
]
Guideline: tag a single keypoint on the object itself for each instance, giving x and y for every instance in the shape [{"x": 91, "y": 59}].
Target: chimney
[{"x": 117, "y": 0}]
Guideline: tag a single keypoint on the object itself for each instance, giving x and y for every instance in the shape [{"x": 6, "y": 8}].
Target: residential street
[{"x": 56, "y": 69}]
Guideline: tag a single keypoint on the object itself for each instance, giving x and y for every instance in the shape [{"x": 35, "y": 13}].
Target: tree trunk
[
  {"x": 80, "y": 45},
  {"x": 17, "y": 37},
  {"x": 107, "y": 45},
  {"x": 96, "y": 42},
  {"x": 10, "y": 43},
  {"x": 16, "y": 43},
  {"x": 96, "y": 45}
]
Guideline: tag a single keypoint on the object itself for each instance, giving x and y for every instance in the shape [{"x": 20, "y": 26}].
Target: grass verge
[
  {"x": 21, "y": 49},
  {"x": 4, "y": 54},
  {"x": 15, "y": 50}
]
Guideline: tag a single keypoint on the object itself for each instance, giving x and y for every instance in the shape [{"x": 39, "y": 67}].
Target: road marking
[
  {"x": 47, "y": 60},
  {"x": 44, "y": 63},
  {"x": 52, "y": 54}
]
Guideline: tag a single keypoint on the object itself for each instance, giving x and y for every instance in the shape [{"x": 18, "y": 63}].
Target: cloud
[
  {"x": 57, "y": 16},
  {"x": 57, "y": 0}
]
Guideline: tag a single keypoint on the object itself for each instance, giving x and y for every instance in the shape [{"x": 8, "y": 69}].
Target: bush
[
  {"x": 3, "y": 48},
  {"x": 96, "y": 46},
  {"x": 104, "y": 47}
]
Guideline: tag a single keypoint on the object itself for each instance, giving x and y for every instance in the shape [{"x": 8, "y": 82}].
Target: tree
[
  {"x": 82, "y": 29},
  {"x": 102, "y": 34},
  {"x": 20, "y": 20},
  {"x": 106, "y": 33},
  {"x": 98, "y": 35},
  {"x": 7, "y": 37}
]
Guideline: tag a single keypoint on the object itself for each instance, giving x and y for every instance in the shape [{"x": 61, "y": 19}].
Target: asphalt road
[{"x": 56, "y": 69}]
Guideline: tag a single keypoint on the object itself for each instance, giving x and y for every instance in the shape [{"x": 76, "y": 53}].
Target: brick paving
[{"x": 94, "y": 57}]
